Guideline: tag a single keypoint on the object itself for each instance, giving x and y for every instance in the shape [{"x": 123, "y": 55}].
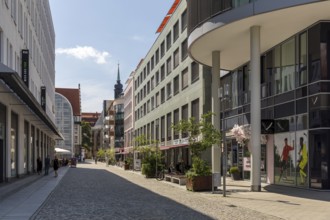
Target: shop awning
[
  {"x": 172, "y": 146},
  {"x": 17, "y": 86}
]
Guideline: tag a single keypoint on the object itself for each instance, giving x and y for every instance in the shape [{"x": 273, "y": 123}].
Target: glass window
[
  {"x": 157, "y": 99},
  {"x": 169, "y": 65},
  {"x": 184, "y": 78},
  {"x": 162, "y": 72},
  {"x": 195, "y": 109},
  {"x": 168, "y": 41},
  {"x": 162, "y": 128},
  {"x": 288, "y": 65},
  {"x": 157, "y": 77},
  {"x": 169, "y": 126},
  {"x": 302, "y": 68},
  {"x": 194, "y": 72},
  {"x": 176, "y": 121},
  {"x": 162, "y": 95},
  {"x": 169, "y": 90},
  {"x": 184, "y": 49},
  {"x": 184, "y": 116},
  {"x": 314, "y": 54},
  {"x": 176, "y": 58},
  {"x": 14, "y": 144},
  {"x": 176, "y": 85},
  {"x": 276, "y": 64},
  {"x": 152, "y": 61},
  {"x": 184, "y": 20},
  {"x": 152, "y": 82},
  {"x": 152, "y": 102},
  {"x": 157, "y": 56},
  {"x": 162, "y": 49},
  {"x": 176, "y": 31}
]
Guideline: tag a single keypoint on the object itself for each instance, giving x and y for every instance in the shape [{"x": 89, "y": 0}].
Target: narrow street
[{"x": 94, "y": 191}]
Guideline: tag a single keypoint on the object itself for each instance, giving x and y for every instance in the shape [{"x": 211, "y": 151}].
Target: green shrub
[{"x": 234, "y": 170}]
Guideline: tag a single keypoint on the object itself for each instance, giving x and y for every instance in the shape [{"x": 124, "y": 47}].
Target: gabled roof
[{"x": 73, "y": 95}]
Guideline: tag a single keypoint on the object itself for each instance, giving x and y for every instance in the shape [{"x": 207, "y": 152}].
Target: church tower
[{"x": 118, "y": 86}]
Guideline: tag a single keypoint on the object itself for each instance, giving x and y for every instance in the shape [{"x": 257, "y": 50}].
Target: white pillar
[
  {"x": 216, "y": 150},
  {"x": 20, "y": 147},
  {"x": 8, "y": 143},
  {"x": 255, "y": 106}
]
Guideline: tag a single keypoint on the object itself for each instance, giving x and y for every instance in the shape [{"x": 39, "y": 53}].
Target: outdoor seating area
[{"x": 176, "y": 178}]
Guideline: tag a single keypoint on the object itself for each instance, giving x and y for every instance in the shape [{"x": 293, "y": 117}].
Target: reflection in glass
[{"x": 284, "y": 158}]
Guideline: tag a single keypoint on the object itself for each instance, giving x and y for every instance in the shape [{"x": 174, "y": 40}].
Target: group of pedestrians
[{"x": 47, "y": 165}]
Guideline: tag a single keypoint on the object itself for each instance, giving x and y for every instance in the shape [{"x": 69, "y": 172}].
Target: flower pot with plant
[{"x": 235, "y": 173}]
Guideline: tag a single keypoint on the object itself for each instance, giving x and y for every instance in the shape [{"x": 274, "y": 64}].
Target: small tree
[
  {"x": 86, "y": 134},
  {"x": 100, "y": 153},
  {"x": 150, "y": 155},
  {"x": 110, "y": 154},
  {"x": 201, "y": 136}
]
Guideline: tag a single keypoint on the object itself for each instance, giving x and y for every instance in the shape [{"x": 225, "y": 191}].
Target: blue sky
[{"x": 93, "y": 36}]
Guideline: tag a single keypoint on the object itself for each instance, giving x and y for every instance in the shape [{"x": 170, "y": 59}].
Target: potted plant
[
  {"x": 201, "y": 136},
  {"x": 235, "y": 173}
]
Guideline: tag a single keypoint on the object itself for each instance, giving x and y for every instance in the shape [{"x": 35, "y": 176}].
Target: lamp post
[
  {"x": 224, "y": 95},
  {"x": 157, "y": 140}
]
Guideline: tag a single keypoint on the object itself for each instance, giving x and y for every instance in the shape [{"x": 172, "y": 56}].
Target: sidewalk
[
  {"x": 19, "y": 200},
  {"x": 278, "y": 201},
  {"x": 274, "y": 200}
]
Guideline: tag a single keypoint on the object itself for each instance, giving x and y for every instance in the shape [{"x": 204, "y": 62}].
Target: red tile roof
[{"x": 73, "y": 95}]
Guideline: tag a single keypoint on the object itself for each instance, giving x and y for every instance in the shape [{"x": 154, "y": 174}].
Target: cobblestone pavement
[{"x": 94, "y": 191}]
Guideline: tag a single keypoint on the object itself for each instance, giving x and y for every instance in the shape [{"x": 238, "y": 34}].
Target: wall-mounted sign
[
  {"x": 43, "y": 98},
  {"x": 25, "y": 67}
]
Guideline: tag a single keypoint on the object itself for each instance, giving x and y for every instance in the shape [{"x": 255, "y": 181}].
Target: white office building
[{"x": 27, "y": 86}]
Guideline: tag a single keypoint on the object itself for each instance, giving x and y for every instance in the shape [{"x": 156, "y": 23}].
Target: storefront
[{"x": 295, "y": 104}]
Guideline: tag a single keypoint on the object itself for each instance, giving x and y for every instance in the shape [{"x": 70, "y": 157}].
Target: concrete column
[
  {"x": 255, "y": 106},
  {"x": 20, "y": 147},
  {"x": 216, "y": 150},
  {"x": 8, "y": 144}
]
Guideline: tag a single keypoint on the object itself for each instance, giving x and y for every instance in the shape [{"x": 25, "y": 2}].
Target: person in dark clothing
[
  {"x": 47, "y": 165},
  {"x": 39, "y": 165},
  {"x": 55, "y": 166}
]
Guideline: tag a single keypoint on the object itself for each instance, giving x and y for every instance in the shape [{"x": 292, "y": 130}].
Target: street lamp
[
  {"x": 224, "y": 95},
  {"x": 157, "y": 140}
]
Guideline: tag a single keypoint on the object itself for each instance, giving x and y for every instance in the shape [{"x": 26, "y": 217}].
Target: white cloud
[
  {"x": 85, "y": 52},
  {"x": 137, "y": 38}
]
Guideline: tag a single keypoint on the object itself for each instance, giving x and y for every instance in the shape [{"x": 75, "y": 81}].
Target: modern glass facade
[
  {"x": 64, "y": 122},
  {"x": 295, "y": 104}
]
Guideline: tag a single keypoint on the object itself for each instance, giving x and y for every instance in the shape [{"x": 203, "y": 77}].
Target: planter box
[
  {"x": 199, "y": 183},
  {"x": 126, "y": 166},
  {"x": 235, "y": 176}
]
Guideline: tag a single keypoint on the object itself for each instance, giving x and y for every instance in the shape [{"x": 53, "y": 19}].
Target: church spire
[
  {"x": 118, "y": 86},
  {"x": 118, "y": 75}
]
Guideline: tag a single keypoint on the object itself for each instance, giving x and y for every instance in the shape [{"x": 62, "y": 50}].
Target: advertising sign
[
  {"x": 25, "y": 67},
  {"x": 43, "y": 97}
]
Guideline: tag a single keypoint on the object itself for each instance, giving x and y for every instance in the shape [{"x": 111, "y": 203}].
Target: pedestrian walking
[
  {"x": 47, "y": 165},
  {"x": 39, "y": 165},
  {"x": 55, "y": 166}
]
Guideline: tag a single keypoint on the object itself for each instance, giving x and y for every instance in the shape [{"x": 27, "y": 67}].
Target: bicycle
[{"x": 160, "y": 175}]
